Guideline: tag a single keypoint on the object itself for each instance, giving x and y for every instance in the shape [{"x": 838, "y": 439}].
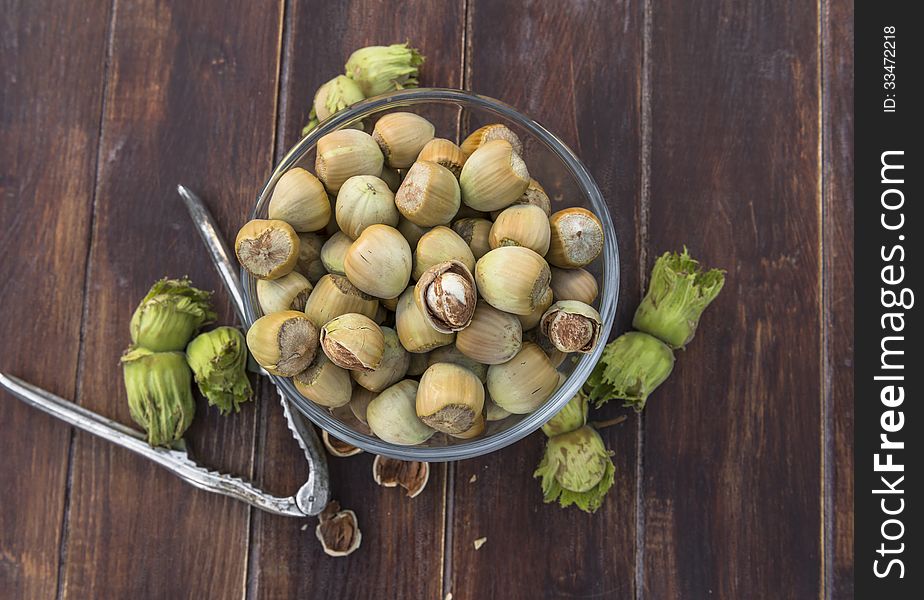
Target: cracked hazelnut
[
  {"x": 391, "y": 472},
  {"x": 446, "y": 295},
  {"x": 338, "y": 530},
  {"x": 571, "y": 326},
  {"x": 339, "y": 448}
]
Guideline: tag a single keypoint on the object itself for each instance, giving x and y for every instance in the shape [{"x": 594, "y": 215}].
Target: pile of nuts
[{"x": 439, "y": 286}]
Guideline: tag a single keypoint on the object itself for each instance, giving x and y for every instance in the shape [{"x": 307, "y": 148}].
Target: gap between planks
[
  {"x": 85, "y": 308},
  {"x": 449, "y": 472},
  {"x": 643, "y": 219},
  {"x": 826, "y": 438},
  {"x": 252, "y": 548}
]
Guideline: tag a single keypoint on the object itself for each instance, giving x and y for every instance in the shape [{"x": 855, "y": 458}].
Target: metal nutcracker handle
[
  {"x": 315, "y": 493},
  {"x": 174, "y": 459}
]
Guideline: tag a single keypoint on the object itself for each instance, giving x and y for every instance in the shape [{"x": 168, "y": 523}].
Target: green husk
[
  {"x": 169, "y": 315},
  {"x": 380, "y": 69},
  {"x": 678, "y": 294},
  {"x": 572, "y": 416},
  {"x": 218, "y": 359},
  {"x": 333, "y": 96},
  {"x": 576, "y": 469},
  {"x": 631, "y": 367},
  {"x": 159, "y": 393}
]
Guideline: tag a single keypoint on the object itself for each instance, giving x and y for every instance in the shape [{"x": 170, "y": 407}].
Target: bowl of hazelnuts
[{"x": 429, "y": 275}]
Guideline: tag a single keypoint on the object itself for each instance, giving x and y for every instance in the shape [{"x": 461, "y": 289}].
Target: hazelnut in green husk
[
  {"x": 159, "y": 393},
  {"x": 576, "y": 469},
  {"x": 218, "y": 359},
  {"x": 380, "y": 69},
  {"x": 678, "y": 294},
  {"x": 333, "y": 96},
  {"x": 169, "y": 315},
  {"x": 631, "y": 367},
  {"x": 572, "y": 416}
]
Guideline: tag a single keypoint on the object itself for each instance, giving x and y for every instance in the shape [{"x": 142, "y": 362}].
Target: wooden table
[{"x": 724, "y": 126}]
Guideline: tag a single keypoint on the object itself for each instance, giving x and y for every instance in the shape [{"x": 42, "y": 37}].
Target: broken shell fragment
[
  {"x": 429, "y": 194},
  {"x": 447, "y": 296},
  {"x": 300, "y": 200},
  {"x": 338, "y": 530},
  {"x": 444, "y": 153},
  {"x": 392, "y": 415},
  {"x": 401, "y": 136},
  {"x": 410, "y": 475},
  {"x": 576, "y": 240},
  {"x": 337, "y": 447},
  {"x": 268, "y": 249},
  {"x": 324, "y": 383},
  {"x": 572, "y": 326},
  {"x": 283, "y": 343},
  {"x": 449, "y": 398},
  {"x": 353, "y": 342},
  {"x": 494, "y": 131}
]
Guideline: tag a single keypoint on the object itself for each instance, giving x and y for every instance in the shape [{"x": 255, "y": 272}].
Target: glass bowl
[{"x": 456, "y": 113}]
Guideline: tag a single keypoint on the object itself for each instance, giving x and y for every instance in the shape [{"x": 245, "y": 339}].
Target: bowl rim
[{"x": 608, "y": 300}]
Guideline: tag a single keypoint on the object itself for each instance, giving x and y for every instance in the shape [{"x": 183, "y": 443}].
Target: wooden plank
[
  {"x": 733, "y": 441},
  {"x": 576, "y": 68},
  {"x": 190, "y": 98},
  {"x": 839, "y": 309},
  {"x": 401, "y": 552},
  {"x": 51, "y": 65}
]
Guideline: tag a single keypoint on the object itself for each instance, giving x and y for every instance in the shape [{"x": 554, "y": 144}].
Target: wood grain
[
  {"x": 180, "y": 74},
  {"x": 402, "y": 548},
  {"x": 548, "y": 60},
  {"x": 733, "y": 439},
  {"x": 839, "y": 294},
  {"x": 51, "y": 68},
  {"x": 739, "y": 145}
]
